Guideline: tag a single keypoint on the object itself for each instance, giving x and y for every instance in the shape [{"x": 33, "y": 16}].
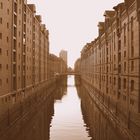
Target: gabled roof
[
  {"x": 39, "y": 18},
  {"x": 101, "y": 25},
  {"x": 120, "y": 6},
  {"x": 109, "y": 13},
  {"x": 32, "y": 7}
]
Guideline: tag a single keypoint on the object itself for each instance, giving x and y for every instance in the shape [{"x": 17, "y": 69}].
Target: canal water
[
  {"x": 76, "y": 117},
  {"x": 67, "y": 122},
  {"x": 69, "y": 113}
]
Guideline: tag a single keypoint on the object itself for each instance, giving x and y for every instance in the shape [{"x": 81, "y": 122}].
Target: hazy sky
[{"x": 72, "y": 23}]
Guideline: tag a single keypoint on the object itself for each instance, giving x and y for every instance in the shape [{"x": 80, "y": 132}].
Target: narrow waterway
[
  {"x": 68, "y": 113},
  {"x": 67, "y": 122},
  {"x": 77, "y": 117}
]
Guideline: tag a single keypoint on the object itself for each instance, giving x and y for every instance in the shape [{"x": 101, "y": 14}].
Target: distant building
[
  {"x": 63, "y": 55},
  {"x": 56, "y": 66},
  {"x": 70, "y": 69}
]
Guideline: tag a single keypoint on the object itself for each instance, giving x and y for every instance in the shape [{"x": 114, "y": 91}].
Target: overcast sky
[{"x": 72, "y": 23}]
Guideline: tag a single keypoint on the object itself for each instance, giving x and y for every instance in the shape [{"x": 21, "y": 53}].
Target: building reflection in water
[
  {"x": 98, "y": 127},
  {"x": 67, "y": 114},
  {"x": 67, "y": 123},
  {"x": 39, "y": 127}
]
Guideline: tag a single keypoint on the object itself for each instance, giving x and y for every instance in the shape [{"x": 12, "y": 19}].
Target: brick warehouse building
[
  {"x": 111, "y": 63},
  {"x": 56, "y": 66},
  {"x": 25, "y": 61},
  {"x": 24, "y": 49}
]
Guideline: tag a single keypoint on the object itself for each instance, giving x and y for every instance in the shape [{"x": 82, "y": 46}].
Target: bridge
[
  {"x": 67, "y": 73},
  {"x": 71, "y": 73}
]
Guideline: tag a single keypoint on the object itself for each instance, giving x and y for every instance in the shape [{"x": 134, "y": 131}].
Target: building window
[
  {"x": 15, "y": 32},
  {"x": 119, "y": 68},
  {"x": 19, "y": 33},
  {"x": 119, "y": 45},
  {"x": 7, "y": 39},
  {"x": 132, "y": 51},
  {"x": 119, "y": 94},
  {"x": 124, "y": 66},
  {"x": 114, "y": 81},
  {"x": 110, "y": 80},
  {"x": 132, "y": 22},
  {"x": 114, "y": 66},
  {"x": 114, "y": 41},
  {"x": 124, "y": 83},
  {"x": 124, "y": 97},
  {"x": 132, "y": 85},
  {"x": 107, "y": 68},
  {"x": 119, "y": 57},
  {"x": 19, "y": 56},
  {"x": 1, "y": 5},
  {"x": 0, "y": 83},
  {"x": 106, "y": 90},
  {"x": 14, "y": 83},
  {"x": 19, "y": 68},
  {"x": 131, "y": 101},
  {"x": 124, "y": 53},
  {"x": 7, "y": 25},
  {"x": 0, "y": 35},
  {"x": 132, "y": 65},
  {"x": 119, "y": 83},
  {"x": 107, "y": 51},
  {"x": 19, "y": 22},
  {"x": 14, "y": 47},
  {"x": 132, "y": 37},
  {"x": 8, "y": 11},
  {"x": 7, "y": 52},
  {"x": 7, "y": 80},
  {"x": 0, "y": 66},
  {"x": 0, "y": 51},
  {"x": 0, "y": 20},
  {"x": 107, "y": 60},
  {"x": 19, "y": 44},
  {"x": 124, "y": 34},
  {"x": 7, "y": 66},
  {"x": 114, "y": 58}
]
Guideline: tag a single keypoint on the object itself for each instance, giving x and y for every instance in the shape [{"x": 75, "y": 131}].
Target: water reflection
[
  {"x": 67, "y": 122},
  {"x": 68, "y": 114},
  {"x": 99, "y": 127}
]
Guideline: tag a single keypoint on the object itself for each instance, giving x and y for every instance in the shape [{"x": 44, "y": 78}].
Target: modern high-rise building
[
  {"x": 63, "y": 55},
  {"x": 56, "y": 66}
]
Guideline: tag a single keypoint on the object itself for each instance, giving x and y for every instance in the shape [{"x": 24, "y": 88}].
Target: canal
[
  {"x": 67, "y": 122},
  {"x": 69, "y": 113}
]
